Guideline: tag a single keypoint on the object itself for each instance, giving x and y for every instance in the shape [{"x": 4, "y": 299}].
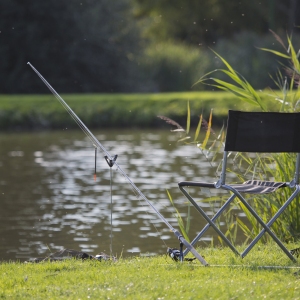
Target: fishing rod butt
[{"x": 191, "y": 248}]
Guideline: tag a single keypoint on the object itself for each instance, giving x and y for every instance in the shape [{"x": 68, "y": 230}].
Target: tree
[
  {"x": 79, "y": 46},
  {"x": 204, "y": 22}
]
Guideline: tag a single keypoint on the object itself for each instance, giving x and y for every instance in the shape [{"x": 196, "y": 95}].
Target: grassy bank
[
  {"x": 227, "y": 277},
  {"x": 112, "y": 110}
]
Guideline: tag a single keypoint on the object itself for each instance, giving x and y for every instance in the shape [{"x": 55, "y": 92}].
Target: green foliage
[
  {"x": 156, "y": 277},
  {"x": 23, "y": 112},
  {"x": 240, "y": 88},
  {"x": 108, "y": 46},
  {"x": 87, "y": 46},
  {"x": 269, "y": 167},
  {"x": 174, "y": 66},
  {"x": 242, "y": 53},
  {"x": 278, "y": 167},
  {"x": 197, "y": 22}
]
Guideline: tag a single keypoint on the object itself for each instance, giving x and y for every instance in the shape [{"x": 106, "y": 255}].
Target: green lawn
[
  {"x": 266, "y": 273},
  {"x": 113, "y": 110}
]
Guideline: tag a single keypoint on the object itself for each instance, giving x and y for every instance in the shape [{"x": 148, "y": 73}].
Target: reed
[
  {"x": 278, "y": 167},
  {"x": 273, "y": 167}
]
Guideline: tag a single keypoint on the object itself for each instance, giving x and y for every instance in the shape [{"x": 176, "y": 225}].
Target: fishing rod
[{"x": 99, "y": 146}]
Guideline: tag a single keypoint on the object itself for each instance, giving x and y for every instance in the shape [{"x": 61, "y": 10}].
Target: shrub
[{"x": 174, "y": 67}]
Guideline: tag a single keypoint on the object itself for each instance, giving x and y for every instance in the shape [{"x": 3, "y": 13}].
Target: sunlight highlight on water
[{"x": 50, "y": 200}]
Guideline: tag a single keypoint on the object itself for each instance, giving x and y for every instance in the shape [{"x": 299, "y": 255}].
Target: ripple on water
[{"x": 58, "y": 204}]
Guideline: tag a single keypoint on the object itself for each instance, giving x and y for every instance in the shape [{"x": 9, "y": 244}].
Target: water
[{"x": 49, "y": 199}]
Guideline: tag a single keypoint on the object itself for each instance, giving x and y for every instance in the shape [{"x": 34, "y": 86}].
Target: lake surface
[{"x": 49, "y": 199}]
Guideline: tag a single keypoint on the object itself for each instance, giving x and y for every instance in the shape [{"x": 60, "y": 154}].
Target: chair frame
[{"x": 221, "y": 184}]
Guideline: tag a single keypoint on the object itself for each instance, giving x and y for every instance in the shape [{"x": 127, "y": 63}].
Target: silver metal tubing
[
  {"x": 261, "y": 222},
  {"x": 269, "y": 224},
  {"x": 211, "y": 223},
  {"x": 206, "y": 227}
]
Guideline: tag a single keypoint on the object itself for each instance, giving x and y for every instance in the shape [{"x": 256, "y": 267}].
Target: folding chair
[{"x": 264, "y": 132}]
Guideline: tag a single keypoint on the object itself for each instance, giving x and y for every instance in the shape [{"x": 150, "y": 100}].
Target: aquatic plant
[
  {"x": 274, "y": 167},
  {"x": 278, "y": 167}
]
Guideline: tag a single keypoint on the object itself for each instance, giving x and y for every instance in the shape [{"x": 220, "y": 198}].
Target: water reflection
[{"x": 49, "y": 198}]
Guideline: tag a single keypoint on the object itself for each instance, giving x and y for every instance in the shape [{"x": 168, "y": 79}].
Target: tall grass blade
[
  {"x": 198, "y": 128},
  {"x": 276, "y": 53},
  {"x": 207, "y": 135},
  {"x": 180, "y": 222},
  {"x": 294, "y": 56},
  {"x": 188, "y": 119}
]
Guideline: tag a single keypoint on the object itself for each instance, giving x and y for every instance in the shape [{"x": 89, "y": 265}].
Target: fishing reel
[{"x": 177, "y": 254}]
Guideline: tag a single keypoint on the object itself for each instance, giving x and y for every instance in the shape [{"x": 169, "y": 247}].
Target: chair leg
[
  {"x": 264, "y": 225},
  {"x": 207, "y": 226},
  {"x": 270, "y": 223},
  {"x": 210, "y": 221}
]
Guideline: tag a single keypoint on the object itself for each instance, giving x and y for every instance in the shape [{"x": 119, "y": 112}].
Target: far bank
[{"x": 40, "y": 112}]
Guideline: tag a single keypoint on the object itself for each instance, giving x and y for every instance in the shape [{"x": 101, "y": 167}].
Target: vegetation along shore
[{"x": 39, "y": 112}]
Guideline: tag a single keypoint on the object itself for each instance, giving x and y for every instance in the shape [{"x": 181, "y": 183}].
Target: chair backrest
[{"x": 263, "y": 132}]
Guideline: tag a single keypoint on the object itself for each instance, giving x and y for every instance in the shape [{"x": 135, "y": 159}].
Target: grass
[
  {"x": 112, "y": 110},
  {"x": 228, "y": 277}
]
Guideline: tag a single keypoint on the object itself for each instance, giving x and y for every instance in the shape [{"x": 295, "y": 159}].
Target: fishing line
[
  {"x": 97, "y": 144},
  {"x": 241, "y": 266},
  {"x": 111, "y": 213},
  {"x": 111, "y": 164},
  {"x": 95, "y": 173}
]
